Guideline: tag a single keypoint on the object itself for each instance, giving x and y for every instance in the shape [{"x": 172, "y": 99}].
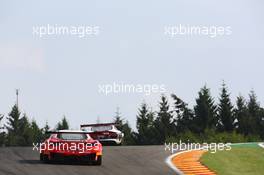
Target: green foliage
[
  {"x": 45, "y": 129},
  {"x": 242, "y": 116},
  {"x": 63, "y": 124},
  {"x": 205, "y": 111},
  {"x": 184, "y": 115},
  {"x": 210, "y": 136},
  {"x": 25, "y": 133},
  {"x": 206, "y": 122},
  {"x": 22, "y": 132},
  {"x": 254, "y": 110},
  {"x": 13, "y": 126},
  {"x": 225, "y": 112},
  {"x": 37, "y": 135},
  {"x": 212, "y": 123},
  {"x": 250, "y": 116},
  {"x": 2, "y": 133},
  {"x": 129, "y": 137},
  {"x": 13, "y": 120},
  {"x": 145, "y": 126},
  {"x": 164, "y": 123},
  {"x": 184, "y": 137}
]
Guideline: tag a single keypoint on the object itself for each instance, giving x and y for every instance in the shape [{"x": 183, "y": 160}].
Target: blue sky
[{"x": 59, "y": 75}]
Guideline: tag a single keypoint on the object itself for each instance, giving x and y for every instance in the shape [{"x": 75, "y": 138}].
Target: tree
[
  {"x": 254, "y": 114},
  {"x": 242, "y": 116},
  {"x": 184, "y": 115},
  {"x": 13, "y": 126},
  {"x": 45, "y": 129},
  {"x": 145, "y": 126},
  {"x": 36, "y": 132},
  {"x": 63, "y": 124},
  {"x": 129, "y": 135},
  {"x": 25, "y": 133},
  {"x": 205, "y": 111},
  {"x": 1, "y": 118},
  {"x": 129, "y": 138},
  {"x": 261, "y": 123},
  {"x": 2, "y": 133},
  {"x": 118, "y": 120},
  {"x": 164, "y": 121},
  {"x": 225, "y": 111},
  {"x": 13, "y": 120},
  {"x": 19, "y": 129}
]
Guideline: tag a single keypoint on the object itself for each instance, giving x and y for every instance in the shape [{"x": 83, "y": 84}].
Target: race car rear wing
[
  {"x": 98, "y": 124},
  {"x": 59, "y": 132}
]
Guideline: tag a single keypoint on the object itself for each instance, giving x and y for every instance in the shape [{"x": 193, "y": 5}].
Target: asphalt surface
[{"x": 117, "y": 160}]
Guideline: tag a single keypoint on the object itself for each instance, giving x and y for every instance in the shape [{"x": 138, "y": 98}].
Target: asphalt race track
[{"x": 117, "y": 160}]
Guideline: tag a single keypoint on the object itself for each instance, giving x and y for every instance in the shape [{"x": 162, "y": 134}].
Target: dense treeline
[
  {"x": 207, "y": 121},
  {"x": 22, "y": 132}
]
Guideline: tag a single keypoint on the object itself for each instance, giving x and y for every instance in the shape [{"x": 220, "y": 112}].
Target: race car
[
  {"x": 71, "y": 145},
  {"x": 106, "y": 133}
]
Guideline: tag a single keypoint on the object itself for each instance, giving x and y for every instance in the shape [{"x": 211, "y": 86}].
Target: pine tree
[
  {"x": 242, "y": 116},
  {"x": 261, "y": 123},
  {"x": 36, "y": 132},
  {"x": 25, "y": 132},
  {"x": 164, "y": 122},
  {"x": 254, "y": 114},
  {"x": 13, "y": 126},
  {"x": 63, "y": 124},
  {"x": 145, "y": 119},
  {"x": 118, "y": 120},
  {"x": 225, "y": 111},
  {"x": 205, "y": 111},
  {"x": 2, "y": 132},
  {"x": 1, "y": 118},
  {"x": 184, "y": 115},
  {"x": 13, "y": 120},
  {"x": 45, "y": 129},
  {"x": 124, "y": 127},
  {"x": 59, "y": 126},
  {"x": 129, "y": 135}
]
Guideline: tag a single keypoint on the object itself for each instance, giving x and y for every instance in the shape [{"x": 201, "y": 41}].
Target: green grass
[{"x": 245, "y": 159}]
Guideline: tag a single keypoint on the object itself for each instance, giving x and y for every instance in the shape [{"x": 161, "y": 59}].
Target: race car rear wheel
[
  {"x": 43, "y": 158},
  {"x": 98, "y": 161}
]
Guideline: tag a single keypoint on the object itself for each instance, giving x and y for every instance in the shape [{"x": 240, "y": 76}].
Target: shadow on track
[
  {"x": 36, "y": 162},
  {"x": 30, "y": 162}
]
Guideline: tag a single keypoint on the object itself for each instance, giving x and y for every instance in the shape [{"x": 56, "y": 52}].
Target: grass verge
[{"x": 240, "y": 160}]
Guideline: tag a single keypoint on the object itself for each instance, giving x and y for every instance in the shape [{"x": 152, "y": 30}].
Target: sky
[{"x": 60, "y": 75}]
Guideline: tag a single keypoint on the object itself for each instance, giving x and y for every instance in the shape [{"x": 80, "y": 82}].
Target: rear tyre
[
  {"x": 43, "y": 158},
  {"x": 98, "y": 162}
]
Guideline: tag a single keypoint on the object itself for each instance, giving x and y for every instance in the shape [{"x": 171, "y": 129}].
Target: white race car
[{"x": 106, "y": 133}]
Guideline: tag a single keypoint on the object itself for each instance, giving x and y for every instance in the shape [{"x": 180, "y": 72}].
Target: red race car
[{"x": 71, "y": 145}]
